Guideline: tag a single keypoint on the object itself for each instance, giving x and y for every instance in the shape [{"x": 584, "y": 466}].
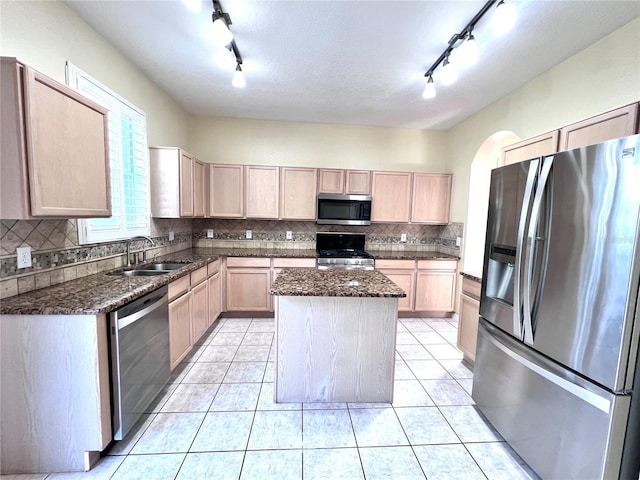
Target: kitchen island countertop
[{"x": 312, "y": 282}]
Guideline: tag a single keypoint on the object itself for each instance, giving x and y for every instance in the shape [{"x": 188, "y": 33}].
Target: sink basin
[
  {"x": 138, "y": 273},
  {"x": 162, "y": 266}
]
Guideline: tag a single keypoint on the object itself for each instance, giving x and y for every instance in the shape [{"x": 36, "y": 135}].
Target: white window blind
[{"x": 129, "y": 165}]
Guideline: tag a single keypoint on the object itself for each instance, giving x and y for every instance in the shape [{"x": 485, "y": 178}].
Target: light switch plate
[
  {"x": 289, "y": 234},
  {"x": 210, "y": 233},
  {"x": 458, "y": 241},
  {"x": 249, "y": 234},
  {"x": 171, "y": 236},
  {"x": 403, "y": 237},
  {"x": 24, "y": 256}
]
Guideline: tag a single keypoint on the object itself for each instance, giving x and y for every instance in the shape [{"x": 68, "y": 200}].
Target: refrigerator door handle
[
  {"x": 522, "y": 232},
  {"x": 532, "y": 238}
]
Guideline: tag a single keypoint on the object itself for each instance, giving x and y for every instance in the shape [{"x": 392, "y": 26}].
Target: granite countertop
[
  {"x": 410, "y": 255},
  {"x": 101, "y": 293},
  {"x": 312, "y": 282}
]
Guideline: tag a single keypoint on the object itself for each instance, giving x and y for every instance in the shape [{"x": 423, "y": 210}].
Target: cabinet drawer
[
  {"x": 178, "y": 287},
  {"x": 198, "y": 276},
  {"x": 396, "y": 264},
  {"x": 471, "y": 288},
  {"x": 294, "y": 262},
  {"x": 437, "y": 264},
  {"x": 248, "y": 262},
  {"x": 213, "y": 268}
]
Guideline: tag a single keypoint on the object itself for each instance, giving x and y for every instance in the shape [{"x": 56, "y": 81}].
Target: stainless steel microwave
[{"x": 344, "y": 209}]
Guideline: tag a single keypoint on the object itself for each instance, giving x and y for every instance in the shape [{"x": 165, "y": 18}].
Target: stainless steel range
[{"x": 342, "y": 250}]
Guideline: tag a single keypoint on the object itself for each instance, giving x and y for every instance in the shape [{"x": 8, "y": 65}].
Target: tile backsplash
[{"x": 58, "y": 257}]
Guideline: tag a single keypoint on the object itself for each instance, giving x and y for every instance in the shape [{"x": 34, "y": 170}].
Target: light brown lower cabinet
[
  {"x": 436, "y": 285},
  {"x": 469, "y": 317},
  {"x": 179, "y": 328},
  {"x": 215, "y": 297},
  {"x": 468, "y": 326},
  {"x": 199, "y": 310},
  {"x": 248, "y": 283},
  {"x": 403, "y": 274}
]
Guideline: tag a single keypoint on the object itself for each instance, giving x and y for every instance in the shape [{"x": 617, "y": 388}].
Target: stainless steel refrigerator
[{"x": 556, "y": 369}]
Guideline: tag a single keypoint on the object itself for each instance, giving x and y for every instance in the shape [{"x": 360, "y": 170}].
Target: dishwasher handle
[{"x": 137, "y": 315}]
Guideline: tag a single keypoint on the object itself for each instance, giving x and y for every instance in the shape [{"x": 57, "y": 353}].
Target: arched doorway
[{"x": 486, "y": 158}]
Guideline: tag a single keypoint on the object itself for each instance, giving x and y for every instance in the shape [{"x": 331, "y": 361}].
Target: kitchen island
[{"x": 335, "y": 335}]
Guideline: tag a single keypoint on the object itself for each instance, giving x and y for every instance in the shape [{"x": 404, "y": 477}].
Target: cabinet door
[
  {"x": 435, "y": 291},
  {"x": 186, "y": 185},
  {"x": 179, "y": 329},
  {"x": 614, "y": 124},
  {"x": 468, "y": 326},
  {"x": 226, "y": 191},
  {"x": 358, "y": 182},
  {"x": 533, "y": 147},
  {"x": 67, "y": 150},
  {"x": 248, "y": 289},
  {"x": 262, "y": 192},
  {"x": 298, "y": 193},
  {"x": 199, "y": 311},
  {"x": 330, "y": 180},
  {"x": 431, "y": 198},
  {"x": 198, "y": 188},
  {"x": 405, "y": 279},
  {"x": 391, "y": 192},
  {"x": 215, "y": 301}
]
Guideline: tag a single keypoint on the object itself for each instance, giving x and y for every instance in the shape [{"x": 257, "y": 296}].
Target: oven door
[{"x": 344, "y": 209}]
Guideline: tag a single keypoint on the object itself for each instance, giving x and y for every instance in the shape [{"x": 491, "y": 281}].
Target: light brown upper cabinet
[
  {"x": 177, "y": 183},
  {"x": 351, "y": 182},
  {"x": 330, "y": 180},
  {"x": 391, "y": 192},
  {"x": 262, "y": 193},
  {"x": 534, "y": 147},
  {"x": 617, "y": 123},
  {"x": 54, "y": 148},
  {"x": 199, "y": 188},
  {"x": 431, "y": 198},
  {"x": 298, "y": 193},
  {"x": 226, "y": 191}
]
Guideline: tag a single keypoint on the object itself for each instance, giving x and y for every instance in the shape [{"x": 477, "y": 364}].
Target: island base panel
[{"x": 335, "y": 349}]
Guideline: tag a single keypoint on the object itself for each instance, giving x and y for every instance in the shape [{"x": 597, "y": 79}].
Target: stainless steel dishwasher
[{"x": 140, "y": 365}]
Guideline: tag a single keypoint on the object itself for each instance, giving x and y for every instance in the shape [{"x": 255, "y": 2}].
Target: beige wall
[
  {"x": 601, "y": 77},
  {"x": 45, "y": 35},
  {"x": 229, "y": 140}
]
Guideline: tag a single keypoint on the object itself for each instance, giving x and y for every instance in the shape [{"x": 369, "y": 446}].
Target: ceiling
[{"x": 346, "y": 62}]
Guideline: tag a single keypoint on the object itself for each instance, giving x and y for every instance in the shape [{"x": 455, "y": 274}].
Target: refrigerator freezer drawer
[{"x": 561, "y": 425}]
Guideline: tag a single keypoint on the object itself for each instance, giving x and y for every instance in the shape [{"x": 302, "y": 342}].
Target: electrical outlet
[
  {"x": 249, "y": 234},
  {"x": 289, "y": 235},
  {"x": 24, "y": 257},
  {"x": 403, "y": 237},
  {"x": 210, "y": 233},
  {"x": 171, "y": 236},
  {"x": 458, "y": 241}
]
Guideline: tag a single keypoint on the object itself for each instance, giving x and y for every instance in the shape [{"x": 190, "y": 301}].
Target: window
[{"x": 129, "y": 165}]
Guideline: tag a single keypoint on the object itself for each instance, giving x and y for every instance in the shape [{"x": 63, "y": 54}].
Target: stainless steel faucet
[{"x": 138, "y": 237}]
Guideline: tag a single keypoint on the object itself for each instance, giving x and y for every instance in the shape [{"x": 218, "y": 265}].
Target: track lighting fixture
[
  {"x": 228, "y": 57},
  {"x": 429, "y": 89},
  {"x": 461, "y": 50},
  {"x": 238, "y": 78}
]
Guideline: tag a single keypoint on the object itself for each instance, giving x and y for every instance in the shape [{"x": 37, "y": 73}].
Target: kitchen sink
[
  {"x": 161, "y": 266},
  {"x": 149, "y": 269},
  {"x": 138, "y": 273}
]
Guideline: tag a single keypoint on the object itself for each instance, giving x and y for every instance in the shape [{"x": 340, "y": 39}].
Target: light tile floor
[{"x": 217, "y": 420}]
